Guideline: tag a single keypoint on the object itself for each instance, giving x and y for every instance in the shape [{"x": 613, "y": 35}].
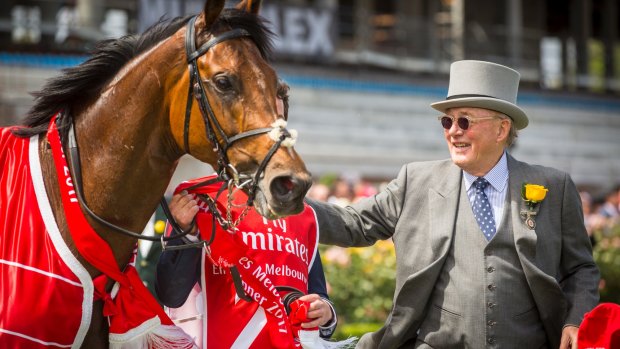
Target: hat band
[{"x": 468, "y": 95}]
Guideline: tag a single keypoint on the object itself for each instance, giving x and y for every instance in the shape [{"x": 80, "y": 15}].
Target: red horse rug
[{"x": 46, "y": 295}]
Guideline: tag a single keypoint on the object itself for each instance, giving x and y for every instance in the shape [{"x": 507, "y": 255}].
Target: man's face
[{"x": 478, "y": 148}]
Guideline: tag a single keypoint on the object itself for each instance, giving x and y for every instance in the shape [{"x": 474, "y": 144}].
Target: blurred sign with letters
[{"x": 302, "y": 31}]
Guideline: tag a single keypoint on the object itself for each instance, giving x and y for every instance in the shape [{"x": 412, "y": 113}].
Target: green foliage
[
  {"x": 607, "y": 257},
  {"x": 329, "y": 179},
  {"x": 355, "y": 330},
  {"x": 361, "y": 284}
]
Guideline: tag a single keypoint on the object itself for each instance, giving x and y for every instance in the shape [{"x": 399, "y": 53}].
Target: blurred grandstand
[{"x": 363, "y": 73}]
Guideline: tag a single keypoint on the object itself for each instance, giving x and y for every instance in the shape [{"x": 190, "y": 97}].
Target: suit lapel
[
  {"x": 545, "y": 289},
  {"x": 443, "y": 205},
  {"x": 525, "y": 239}
]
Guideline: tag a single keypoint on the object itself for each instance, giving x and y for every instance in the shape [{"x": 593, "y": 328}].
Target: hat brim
[{"x": 517, "y": 115}]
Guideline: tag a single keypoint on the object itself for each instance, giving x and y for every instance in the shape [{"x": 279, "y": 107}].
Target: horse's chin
[
  {"x": 261, "y": 204},
  {"x": 266, "y": 211}
]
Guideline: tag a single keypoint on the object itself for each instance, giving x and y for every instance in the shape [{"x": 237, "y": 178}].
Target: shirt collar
[{"x": 497, "y": 177}]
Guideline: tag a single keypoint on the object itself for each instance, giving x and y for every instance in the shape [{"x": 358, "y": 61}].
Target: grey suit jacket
[{"x": 418, "y": 210}]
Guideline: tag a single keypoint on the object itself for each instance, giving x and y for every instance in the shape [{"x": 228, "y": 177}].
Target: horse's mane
[{"x": 86, "y": 80}]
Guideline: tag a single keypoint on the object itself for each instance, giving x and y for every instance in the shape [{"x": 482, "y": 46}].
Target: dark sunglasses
[{"x": 464, "y": 121}]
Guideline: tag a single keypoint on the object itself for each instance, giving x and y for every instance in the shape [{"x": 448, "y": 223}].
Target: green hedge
[
  {"x": 607, "y": 257},
  {"x": 355, "y": 330},
  {"x": 361, "y": 284}
]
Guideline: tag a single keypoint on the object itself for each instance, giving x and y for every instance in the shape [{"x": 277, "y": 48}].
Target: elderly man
[{"x": 491, "y": 252}]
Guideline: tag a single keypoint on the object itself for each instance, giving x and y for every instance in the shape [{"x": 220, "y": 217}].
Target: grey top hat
[{"x": 484, "y": 85}]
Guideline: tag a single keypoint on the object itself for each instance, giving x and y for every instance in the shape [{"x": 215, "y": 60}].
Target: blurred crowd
[
  {"x": 342, "y": 190},
  {"x": 601, "y": 213}
]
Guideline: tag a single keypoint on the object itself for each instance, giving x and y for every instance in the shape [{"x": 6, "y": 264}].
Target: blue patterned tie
[{"x": 482, "y": 209}]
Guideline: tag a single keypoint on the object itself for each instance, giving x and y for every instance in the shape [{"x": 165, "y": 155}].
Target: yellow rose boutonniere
[{"x": 532, "y": 194}]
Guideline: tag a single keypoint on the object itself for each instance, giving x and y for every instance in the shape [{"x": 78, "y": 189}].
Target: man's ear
[{"x": 504, "y": 130}]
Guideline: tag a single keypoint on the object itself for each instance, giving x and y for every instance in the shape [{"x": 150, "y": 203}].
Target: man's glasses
[{"x": 464, "y": 121}]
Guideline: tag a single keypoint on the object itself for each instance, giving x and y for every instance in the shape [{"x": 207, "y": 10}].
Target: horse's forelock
[{"x": 257, "y": 26}]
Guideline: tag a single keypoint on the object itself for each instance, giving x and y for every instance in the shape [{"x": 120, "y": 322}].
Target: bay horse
[{"x": 185, "y": 86}]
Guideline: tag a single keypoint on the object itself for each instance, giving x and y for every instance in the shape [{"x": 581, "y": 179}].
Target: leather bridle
[{"x": 225, "y": 170}]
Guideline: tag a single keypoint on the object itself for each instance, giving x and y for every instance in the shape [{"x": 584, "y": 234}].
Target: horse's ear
[
  {"x": 252, "y": 6},
  {"x": 212, "y": 10}
]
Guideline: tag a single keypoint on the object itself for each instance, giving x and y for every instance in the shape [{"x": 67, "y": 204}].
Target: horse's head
[{"x": 234, "y": 122}]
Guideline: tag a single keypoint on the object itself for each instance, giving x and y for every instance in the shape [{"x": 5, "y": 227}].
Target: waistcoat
[{"x": 481, "y": 298}]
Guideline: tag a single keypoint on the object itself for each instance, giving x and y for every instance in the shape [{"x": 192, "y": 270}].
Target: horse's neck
[
  {"x": 127, "y": 156},
  {"x": 50, "y": 180}
]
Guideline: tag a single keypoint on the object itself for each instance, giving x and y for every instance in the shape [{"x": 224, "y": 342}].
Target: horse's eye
[{"x": 223, "y": 83}]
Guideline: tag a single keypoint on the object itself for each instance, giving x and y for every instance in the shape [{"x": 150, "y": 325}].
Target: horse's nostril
[
  {"x": 283, "y": 187},
  {"x": 287, "y": 183},
  {"x": 288, "y": 188}
]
